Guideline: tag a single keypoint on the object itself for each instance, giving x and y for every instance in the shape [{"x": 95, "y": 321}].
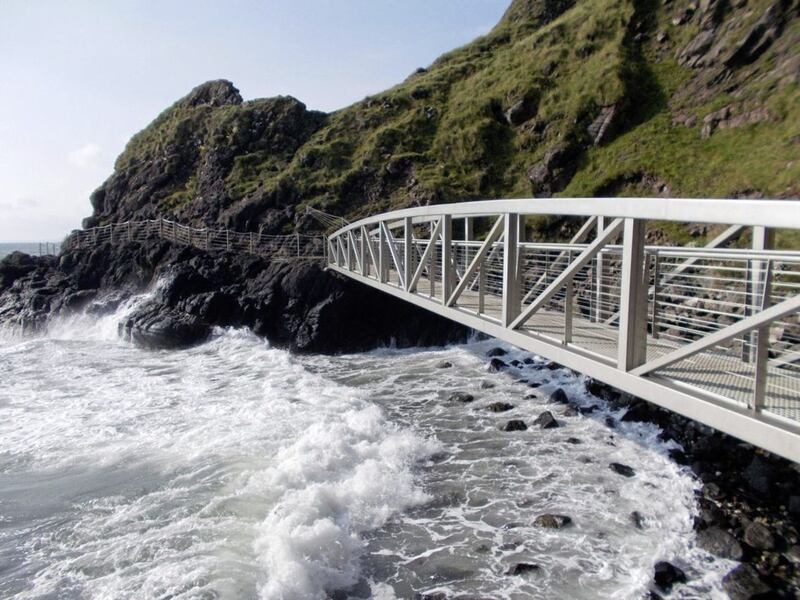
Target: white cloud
[{"x": 86, "y": 156}]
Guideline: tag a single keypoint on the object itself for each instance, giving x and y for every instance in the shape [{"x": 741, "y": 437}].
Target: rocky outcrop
[{"x": 295, "y": 305}]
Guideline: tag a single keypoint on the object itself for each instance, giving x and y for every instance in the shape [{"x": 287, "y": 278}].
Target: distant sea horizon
[{"x": 27, "y": 247}]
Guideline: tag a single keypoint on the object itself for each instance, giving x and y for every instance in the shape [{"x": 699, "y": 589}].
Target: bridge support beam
[
  {"x": 408, "y": 251},
  {"x": 447, "y": 258},
  {"x": 511, "y": 287},
  {"x": 632, "y": 347}
]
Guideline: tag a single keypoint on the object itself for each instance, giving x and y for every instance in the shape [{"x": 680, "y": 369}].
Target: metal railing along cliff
[{"x": 276, "y": 247}]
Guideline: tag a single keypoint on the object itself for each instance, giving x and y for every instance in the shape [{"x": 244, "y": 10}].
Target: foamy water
[{"x": 233, "y": 470}]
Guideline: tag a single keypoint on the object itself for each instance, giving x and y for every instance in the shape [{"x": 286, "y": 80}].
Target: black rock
[
  {"x": 515, "y": 425},
  {"x": 623, "y": 470},
  {"x": 552, "y": 365},
  {"x": 462, "y": 397},
  {"x": 719, "y": 542},
  {"x": 570, "y": 411},
  {"x": 759, "y": 537},
  {"x": 496, "y": 352},
  {"x": 534, "y": 384},
  {"x": 574, "y": 440},
  {"x": 549, "y": 521},
  {"x": 487, "y": 385},
  {"x": 516, "y": 363},
  {"x": 587, "y": 410},
  {"x": 528, "y": 360},
  {"x": 522, "y": 569},
  {"x": 743, "y": 583},
  {"x": 666, "y": 575},
  {"x": 637, "y": 519},
  {"x": 558, "y": 396},
  {"x": 639, "y": 412},
  {"x": 444, "y": 365},
  {"x": 546, "y": 420},
  {"x": 496, "y": 365},
  {"x": 498, "y": 407}
]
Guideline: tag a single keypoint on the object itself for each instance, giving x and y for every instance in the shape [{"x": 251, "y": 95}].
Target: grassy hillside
[{"x": 592, "y": 97}]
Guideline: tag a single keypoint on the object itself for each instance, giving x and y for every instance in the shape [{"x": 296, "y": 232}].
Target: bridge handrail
[{"x": 764, "y": 213}]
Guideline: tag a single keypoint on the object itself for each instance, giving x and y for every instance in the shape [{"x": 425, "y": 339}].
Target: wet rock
[
  {"x": 515, "y": 425},
  {"x": 534, "y": 384},
  {"x": 759, "y": 537},
  {"x": 462, "y": 397},
  {"x": 487, "y": 385},
  {"x": 523, "y": 569},
  {"x": 496, "y": 365},
  {"x": 574, "y": 440},
  {"x": 154, "y": 326},
  {"x": 760, "y": 475},
  {"x": 587, "y": 410},
  {"x": 444, "y": 365},
  {"x": 610, "y": 422},
  {"x": 528, "y": 360},
  {"x": 743, "y": 583},
  {"x": 621, "y": 469},
  {"x": 483, "y": 548},
  {"x": 494, "y": 352},
  {"x": 637, "y": 519},
  {"x": 516, "y": 363},
  {"x": 638, "y": 413},
  {"x": 432, "y": 596},
  {"x": 552, "y": 366},
  {"x": 550, "y": 521},
  {"x": 666, "y": 575},
  {"x": 498, "y": 407},
  {"x": 558, "y": 396},
  {"x": 570, "y": 411},
  {"x": 600, "y": 390},
  {"x": 719, "y": 542},
  {"x": 546, "y": 420}
]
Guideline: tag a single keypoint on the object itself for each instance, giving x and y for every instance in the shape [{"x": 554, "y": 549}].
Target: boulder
[
  {"x": 558, "y": 396},
  {"x": 758, "y": 536},
  {"x": 621, "y": 469},
  {"x": 743, "y": 583},
  {"x": 546, "y": 420},
  {"x": 637, "y": 519},
  {"x": 496, "y": 365},
  {"x": 445, "y": 364},
  {"x": 551, "y": 521},
  {"x": 498, "y": 407},
  {"x": 462, "y": 397},
  {"x": 494, "y": 352},
  {"x": 719, "y": 542},
  {"x": 515, "y": 425},
  {"x": 666, "y": 575}
]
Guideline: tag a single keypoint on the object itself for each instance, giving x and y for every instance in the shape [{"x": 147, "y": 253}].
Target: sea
[
  {"x": 237, "y": 470},
  {"x": 33, "y": 248}
]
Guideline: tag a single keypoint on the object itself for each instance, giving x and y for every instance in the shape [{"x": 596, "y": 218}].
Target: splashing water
[{"x": 234, "y": 470}]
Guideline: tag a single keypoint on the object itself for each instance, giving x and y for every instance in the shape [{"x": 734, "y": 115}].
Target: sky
[{"x": 79, "y": 78}]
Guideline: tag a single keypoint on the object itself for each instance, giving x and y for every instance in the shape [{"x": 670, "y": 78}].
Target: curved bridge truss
[{"x": 712, "y": 333}]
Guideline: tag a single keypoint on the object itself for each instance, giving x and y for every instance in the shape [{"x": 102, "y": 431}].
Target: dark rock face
[
  {"x": 759, "y": 537},
  {"x": 295, "y": 305},
  {"x": 549, "y": 521},
  {"x": 666, "y": 575},
  {"x": 559, "y": 396}
]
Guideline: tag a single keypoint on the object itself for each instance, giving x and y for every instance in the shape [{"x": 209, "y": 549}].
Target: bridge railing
[
  {"x": 718, "y": 324},
  {"x": 277, "y": 247}
]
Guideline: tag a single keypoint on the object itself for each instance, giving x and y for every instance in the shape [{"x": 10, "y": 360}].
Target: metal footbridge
[{"x": 712, "y": 332}]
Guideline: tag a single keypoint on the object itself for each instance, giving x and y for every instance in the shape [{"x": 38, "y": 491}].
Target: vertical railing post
[
  {"x": 511, "y": 288},
  {"x": 568, "y": 302},
  {"x": 469, "y": 236},
  {"x": 161, "y": 228},
  {"x": 227, "y": 240},
  {"x": 656, "y": 275},
  {"x": 432, "y": 262},
  {"x": 364, "y": 253},
  {"x": 599, "y": 275},
  {"x": 408, "y": 252},
  {"x": 632, "y": 343},
  {"x": 762, "y": 240},
  {"x": 447, "y": 257},
  {"x": 383, "y": 267},
  {"x": 762, "y": 344}
]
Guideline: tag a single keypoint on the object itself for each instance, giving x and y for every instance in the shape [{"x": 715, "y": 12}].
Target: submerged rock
[
  {"x": 743, "y": 583},
  {"x": 496, "y": 352},
  {"x": 496, "y": 365},
  {"x": 445, "y": 364},
  {"x": 523, "y": 569},
  {"x": 558, "y": 396},
  {"x": 498, "y": 407},
  {"x": 549, "y": 521},
  {"x": 462, "y": 397}
]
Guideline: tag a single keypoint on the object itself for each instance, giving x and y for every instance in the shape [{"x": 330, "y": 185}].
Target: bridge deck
[{"x": 715, "y": 373}]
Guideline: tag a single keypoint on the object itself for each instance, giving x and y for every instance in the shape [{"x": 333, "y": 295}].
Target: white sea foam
[{"x": 235, "y": 470}]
